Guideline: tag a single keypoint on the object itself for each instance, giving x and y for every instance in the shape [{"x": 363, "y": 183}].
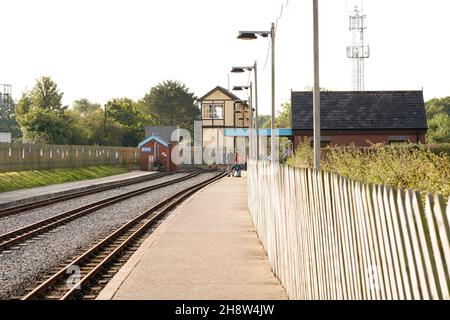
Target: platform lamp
[
  {"x": 255, "y": 69},
  {"x": 252, "y": 35},
  {"x": 248, "y": 88}
]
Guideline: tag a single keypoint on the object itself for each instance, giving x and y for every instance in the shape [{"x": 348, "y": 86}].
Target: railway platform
[
  {"x": 207, "y": 248},
  {"x": 24, "y": 196}
]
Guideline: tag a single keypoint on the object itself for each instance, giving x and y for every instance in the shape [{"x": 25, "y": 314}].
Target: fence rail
[
  {"x": 328, "y": 237},
  {"x": 20, "y": 157}
]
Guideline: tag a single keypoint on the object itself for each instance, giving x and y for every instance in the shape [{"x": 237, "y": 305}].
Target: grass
[{"x": 10, "y": 181}]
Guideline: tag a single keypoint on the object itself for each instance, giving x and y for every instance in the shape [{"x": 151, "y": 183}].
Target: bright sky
[{"x": 101, "y": 49}]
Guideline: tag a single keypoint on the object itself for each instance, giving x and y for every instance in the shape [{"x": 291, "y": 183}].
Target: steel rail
[
  {"x": 13, "y": 237},
  {"x": 45, "y": 202},
  {"x": 118, "y": 241}
]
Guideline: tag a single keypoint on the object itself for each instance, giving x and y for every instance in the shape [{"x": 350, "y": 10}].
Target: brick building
[
  {"x": 361, "y": 117},
  {"x": 156, "y": 151}
]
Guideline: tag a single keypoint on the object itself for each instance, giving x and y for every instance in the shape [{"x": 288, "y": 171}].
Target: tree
[
  {"x": 84, "y": 106},
  {"x": 439, "y": 128},
  {"x": 45, "y": 95},
  {"x": 8, "y": 121},
  {"x": 262, "y": 119},
  {"x": 283, "y": 118},
  {"x": 436, "y": 106},
  {"x": 41, "y": 115},
  {"x": 128, "y": 114},
  {"x": 438, "y": 115},
  {"x": 46, "y": 126},
  {"x": 171, "y": 103},
  {"x": 102, "y": 130}
]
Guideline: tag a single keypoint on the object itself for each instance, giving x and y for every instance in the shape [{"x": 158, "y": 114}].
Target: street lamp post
[
  {"x": 316, "y": 90},
  {"x": 255, "y": 69},
  {"x": 251, "y": 35}
]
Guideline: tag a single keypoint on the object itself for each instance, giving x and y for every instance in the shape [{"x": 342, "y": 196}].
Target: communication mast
[
  {"x": 5, "y": 96},
  {"x": 357, "y": 52}
]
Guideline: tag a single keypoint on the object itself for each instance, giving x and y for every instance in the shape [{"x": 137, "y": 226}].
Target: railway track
[
  {"x": 86, "y": 274},
  {"x": 30, "y": 231},
  {"x": 45, "y": 202}
]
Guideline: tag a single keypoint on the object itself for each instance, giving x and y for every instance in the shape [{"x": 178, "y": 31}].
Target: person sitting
[{"x": 237, "y": 170}]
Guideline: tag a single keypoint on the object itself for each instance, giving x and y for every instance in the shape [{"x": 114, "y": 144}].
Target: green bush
[
  {"x": 408, "y": 166},
  {"x": 439, "y": 148}
]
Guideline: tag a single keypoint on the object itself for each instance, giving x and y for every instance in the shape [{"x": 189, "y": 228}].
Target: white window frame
[{"x": 214, "y": 108}]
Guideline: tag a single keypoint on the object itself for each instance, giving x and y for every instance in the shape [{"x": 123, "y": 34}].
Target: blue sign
[
  {"x": 146, "y": 149},
  {"x": 243, "y": 132}
]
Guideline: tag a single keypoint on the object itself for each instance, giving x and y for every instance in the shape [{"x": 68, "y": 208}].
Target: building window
[
  {"x": 398, "y": 139},
  {"x": 218, "y": 111},
  {"x": 397, "y": 142},
  {"x": 213, "y": 111},
  {"x": 207, "y": 111}
]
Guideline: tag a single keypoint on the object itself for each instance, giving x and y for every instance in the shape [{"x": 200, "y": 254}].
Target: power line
[
  {"x": 283, "y": 6},
  {"x": 267, "y": 56},
  {"x": 282, "y": 9}
]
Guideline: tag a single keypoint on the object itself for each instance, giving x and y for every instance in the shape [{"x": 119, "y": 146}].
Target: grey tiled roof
[{"x": 361, "y": 110}]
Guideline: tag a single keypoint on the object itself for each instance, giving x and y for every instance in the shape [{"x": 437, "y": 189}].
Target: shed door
[{"x": 157, "y": 154}]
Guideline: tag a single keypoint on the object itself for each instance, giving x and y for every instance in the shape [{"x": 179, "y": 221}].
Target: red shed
[{"x": 156, "y": 152}]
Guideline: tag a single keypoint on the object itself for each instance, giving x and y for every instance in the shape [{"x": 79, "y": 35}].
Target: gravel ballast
[
  {"x": 16, "y": 221},
  {"x": 20, "y": 268}
]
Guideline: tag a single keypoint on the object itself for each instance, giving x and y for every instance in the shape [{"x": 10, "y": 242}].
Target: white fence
[{"x": 328, "y": 237}]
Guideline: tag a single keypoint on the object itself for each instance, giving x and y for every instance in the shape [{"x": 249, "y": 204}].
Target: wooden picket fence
[
  {"x": 21, "y": 157},
  {"x": 328, "y": 237}
]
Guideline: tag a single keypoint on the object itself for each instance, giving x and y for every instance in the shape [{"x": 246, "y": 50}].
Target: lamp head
[
  {"x": 239, "y": 88},
  {"x": 246, "y": 36},
  {"x": 237, "y": 70}
]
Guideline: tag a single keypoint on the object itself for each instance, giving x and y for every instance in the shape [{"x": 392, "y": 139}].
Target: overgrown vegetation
[
  {"x": 10, "y": 181},
  {"x": 406, "y": 166}
]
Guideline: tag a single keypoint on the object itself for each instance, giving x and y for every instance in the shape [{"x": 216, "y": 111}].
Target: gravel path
[
  {"x": 17, "y": 221},
  {"x": 21, "y": 267}
]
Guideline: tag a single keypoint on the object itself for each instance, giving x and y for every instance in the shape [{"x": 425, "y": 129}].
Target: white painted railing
[{"x": 328, "y": 237}]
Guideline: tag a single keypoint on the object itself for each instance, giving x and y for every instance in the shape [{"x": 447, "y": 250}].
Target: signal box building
[{"x": 222, "y": 110}]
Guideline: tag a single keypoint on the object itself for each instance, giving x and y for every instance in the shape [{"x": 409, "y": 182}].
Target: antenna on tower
[
  {"x": 6, "y": 96},
  {"x": 357, "y": 52}
]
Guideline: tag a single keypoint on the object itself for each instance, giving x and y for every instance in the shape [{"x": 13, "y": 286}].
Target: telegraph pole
[{"x": 316, "y": 89}]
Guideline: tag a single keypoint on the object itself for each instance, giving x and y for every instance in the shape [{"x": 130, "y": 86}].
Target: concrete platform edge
[
  {"x": 4, "y": 205},
  {"x": 114, "y": 284}
]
